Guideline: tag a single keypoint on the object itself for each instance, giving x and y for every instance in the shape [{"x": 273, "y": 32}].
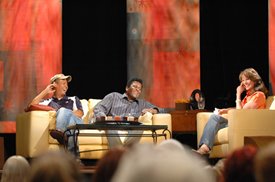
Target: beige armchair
[
  {"x": 33, "y": 138},
  {"x": 254, "y": 126}
]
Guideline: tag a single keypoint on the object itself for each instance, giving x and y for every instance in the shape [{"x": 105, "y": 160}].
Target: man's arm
[
  {"x": 152, "y": 108},
  {"x": 79, "y": 111},
  {"x": 48, "y": 90},
  {"x": 103, "y": 107}
]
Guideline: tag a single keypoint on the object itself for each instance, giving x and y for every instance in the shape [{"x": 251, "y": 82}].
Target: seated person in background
[
  {"x": 15, "y": 169},
  {"x": 69, "y": 109},
  {"x": 123, "y": 105},
  {"x": 255, "y": 98}
]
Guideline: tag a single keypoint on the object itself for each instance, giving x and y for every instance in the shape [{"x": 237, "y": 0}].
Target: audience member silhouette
[
  {"x": 55, "y": 166},
  {"x": 265, "y": 164},
  {"x": 239, "y": 165},
  {"x": 15, "y": 169},
  {"x": 154, "y": 163},
  {"x": 107, "y": 165}
]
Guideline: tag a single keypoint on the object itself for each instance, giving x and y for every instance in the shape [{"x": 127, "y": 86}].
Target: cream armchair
[
  {"x": 33, "y": 138},
  {"x": 254, "y": 126}
]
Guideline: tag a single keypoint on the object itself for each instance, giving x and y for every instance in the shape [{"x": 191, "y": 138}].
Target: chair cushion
[
  {"x": 222, "y": 136},
  {"x": 85, "y": 108},
  {"x": 270, "y": 104}
]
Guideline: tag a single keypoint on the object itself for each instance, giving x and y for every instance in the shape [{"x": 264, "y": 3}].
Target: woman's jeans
[
  {"x": 213, "y": 125},
  {"x": 64, "y": 118}
]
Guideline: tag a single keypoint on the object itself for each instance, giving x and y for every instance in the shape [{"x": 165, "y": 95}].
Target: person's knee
[
  {"x": 214, "y": 118},
  {"x": 62, "y": 111}
]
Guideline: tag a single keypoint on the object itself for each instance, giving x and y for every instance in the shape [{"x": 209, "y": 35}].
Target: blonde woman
[{"x": 15, "y": 169}]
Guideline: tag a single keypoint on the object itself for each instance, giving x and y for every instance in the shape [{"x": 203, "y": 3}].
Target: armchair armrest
[
  {"x": 32, "y": 132},
  {"x": 163, "y": 119},
  {"x": 249, "y": 122}
]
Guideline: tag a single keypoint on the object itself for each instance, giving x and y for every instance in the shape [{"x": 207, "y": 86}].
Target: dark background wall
[
  {"x": 234, "y": 36},
  {"x": 94, "y": 47}
]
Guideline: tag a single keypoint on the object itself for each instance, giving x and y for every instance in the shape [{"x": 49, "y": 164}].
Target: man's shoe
[{"x": 59, "y": 136}]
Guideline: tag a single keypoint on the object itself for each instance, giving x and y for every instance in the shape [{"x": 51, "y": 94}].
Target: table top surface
[{"x": 118, "y": 126}]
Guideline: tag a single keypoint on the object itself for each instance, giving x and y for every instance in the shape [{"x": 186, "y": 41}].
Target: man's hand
[
  {"x": 50, "y": 88},
  {"x": 78, "y": 113},
  {"x": 151, "y": 110}
]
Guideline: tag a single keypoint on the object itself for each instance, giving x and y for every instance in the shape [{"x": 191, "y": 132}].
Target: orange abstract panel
[
  {"x": 163, "y": 48},
  {"x": 30, "y": 49},
  {"x": 1, "y": 75}
]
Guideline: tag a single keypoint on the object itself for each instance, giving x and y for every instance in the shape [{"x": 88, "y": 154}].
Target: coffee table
[{"x": 74, "y": 130}]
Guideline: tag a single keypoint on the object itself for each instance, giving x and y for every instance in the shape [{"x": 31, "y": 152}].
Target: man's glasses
[{"x": 136, "y": 87}]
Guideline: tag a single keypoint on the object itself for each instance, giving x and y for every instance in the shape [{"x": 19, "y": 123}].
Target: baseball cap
[{"x": 61, "y": 77}]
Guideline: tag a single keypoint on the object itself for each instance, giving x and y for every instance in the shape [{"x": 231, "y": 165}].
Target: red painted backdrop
[
  {"x": 163, "y": 48},
  {"x": 30, "y": 51}
]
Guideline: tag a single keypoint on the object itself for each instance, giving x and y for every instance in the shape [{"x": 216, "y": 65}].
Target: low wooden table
[
  {"x": 184, "y": 126},
  {"x": 117, "y": 125},
  {"x": 184, "y": 121}
]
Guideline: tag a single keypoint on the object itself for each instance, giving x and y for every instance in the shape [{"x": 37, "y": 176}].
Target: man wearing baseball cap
[{"x": 69, "y": 109}]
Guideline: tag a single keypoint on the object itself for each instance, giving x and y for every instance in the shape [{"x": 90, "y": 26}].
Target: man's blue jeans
[
  {"x": 64, "y": 118},
  {"x": 213, "y": 125}
]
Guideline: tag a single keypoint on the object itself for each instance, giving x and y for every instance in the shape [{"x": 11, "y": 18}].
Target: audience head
[
  {"x": 147, "y": 162},
  {"x": 15, "y": 169},
  {"x": 107, "y": 165},
  {"x": 171, "y": 144},
  {"x": 59, "y": 166},
  {"x": 265, "y": 164},
  {"x": 239, "y": 165}
]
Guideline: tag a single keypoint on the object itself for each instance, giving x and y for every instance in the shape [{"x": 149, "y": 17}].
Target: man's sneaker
[{"x": 59, "y": 136}]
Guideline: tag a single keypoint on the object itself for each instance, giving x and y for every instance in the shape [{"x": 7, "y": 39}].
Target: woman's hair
[
  {"x": 16, "y": 168},
  {"x": 265, "y": 164},
  {"x": 107, "y": 165},
  {"x": 253, "y": 75},
  {"x": 239, "y": 165}
]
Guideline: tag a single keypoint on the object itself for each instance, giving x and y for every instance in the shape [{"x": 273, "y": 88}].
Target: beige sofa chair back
[
  {"x": 32, "y": 132},
  {"x": 270, "y": 104}
]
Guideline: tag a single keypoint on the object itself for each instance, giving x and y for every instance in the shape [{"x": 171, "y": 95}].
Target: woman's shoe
[
  {"x": 203, "y": 150},
  {"x": 200, "y": 155}
]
